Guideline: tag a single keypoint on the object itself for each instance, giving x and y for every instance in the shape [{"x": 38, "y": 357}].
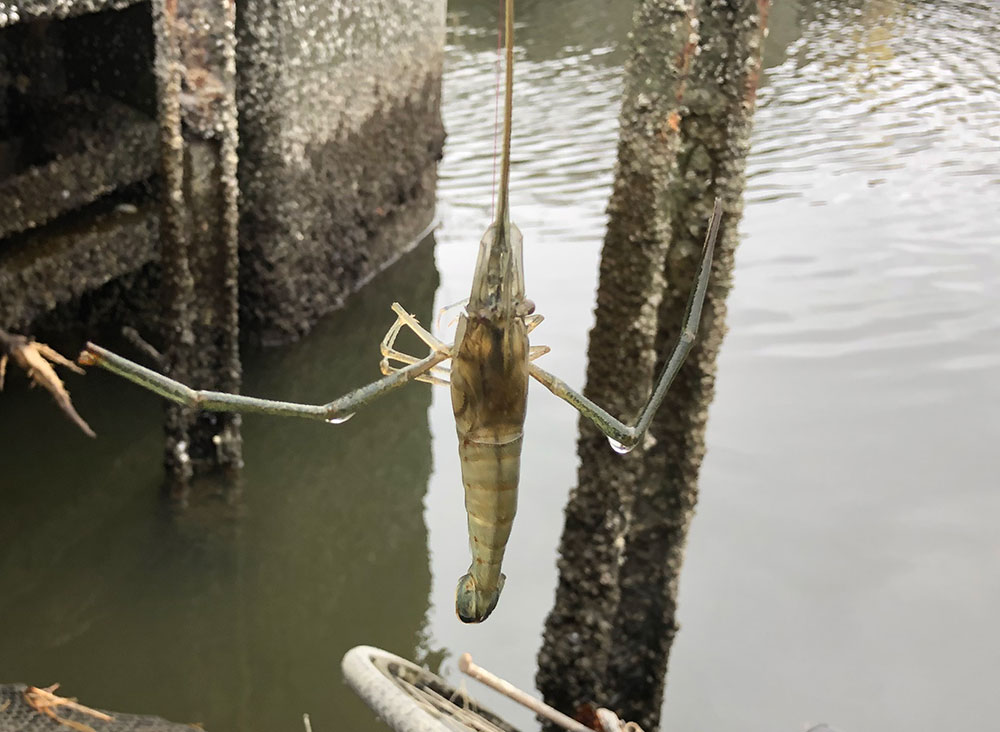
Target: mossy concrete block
[
  {"x": 42, "y": 270},
  {"x": 340, "y": 133},
  {"x": 19, "y": 11},
  {"x": 95, "y": 146}
]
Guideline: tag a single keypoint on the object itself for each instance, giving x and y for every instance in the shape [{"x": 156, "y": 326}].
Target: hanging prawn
[{"x": 491, "y": 361}]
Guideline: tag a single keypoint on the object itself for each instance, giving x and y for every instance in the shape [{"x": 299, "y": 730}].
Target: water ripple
[
  {"x": 855, "y": 383},
  {"x": 878, "y": 134}
]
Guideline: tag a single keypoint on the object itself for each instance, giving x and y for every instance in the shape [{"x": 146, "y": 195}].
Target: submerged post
[
  {"x": 608, "y": 637},
  {"x": 196, "y": 70},
  {"x": 576, "y": 648}
]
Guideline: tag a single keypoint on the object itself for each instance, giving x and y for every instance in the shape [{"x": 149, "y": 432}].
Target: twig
[
  {"x": 141, "y": 344},
  {"x": 466, "y": 666},
  {"x": 611, "y": 722}
]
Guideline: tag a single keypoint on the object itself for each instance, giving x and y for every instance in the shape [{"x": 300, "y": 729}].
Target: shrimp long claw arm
[
  {"x": 215, "y": 401},
  {"x": 628, "y": 436}
]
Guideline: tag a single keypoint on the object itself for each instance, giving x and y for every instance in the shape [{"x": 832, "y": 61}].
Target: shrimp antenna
[{"x": 503, "y": 209}]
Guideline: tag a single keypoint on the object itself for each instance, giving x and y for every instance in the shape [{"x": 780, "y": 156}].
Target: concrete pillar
[
  {"x": 340, "y": 134},
  {"x": 196, "y": 78}
]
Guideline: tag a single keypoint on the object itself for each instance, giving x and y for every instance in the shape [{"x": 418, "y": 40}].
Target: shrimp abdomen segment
[
  {"x": 489, "y": 388},
  {"x": 490, "y": 474}
]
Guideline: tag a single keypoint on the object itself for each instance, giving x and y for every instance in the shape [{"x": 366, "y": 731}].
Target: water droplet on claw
[
  {"x": 340, "y": 420},
  {"x": 619, "y": 447}
]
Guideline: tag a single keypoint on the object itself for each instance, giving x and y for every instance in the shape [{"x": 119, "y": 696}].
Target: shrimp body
[{"x": 489, "y": 391}]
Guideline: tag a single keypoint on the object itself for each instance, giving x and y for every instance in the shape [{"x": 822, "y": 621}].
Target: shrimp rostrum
[{"x": 491, "y": 362}]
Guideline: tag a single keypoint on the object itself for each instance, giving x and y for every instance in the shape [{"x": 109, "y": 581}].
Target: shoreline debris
[
  {"x": 608, "y": 720},
  {"x": 44, "y": 701},
  {"x": 34, "y": 358}
]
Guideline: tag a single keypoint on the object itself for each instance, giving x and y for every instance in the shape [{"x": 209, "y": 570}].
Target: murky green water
[{"x": 844, "y": 564}]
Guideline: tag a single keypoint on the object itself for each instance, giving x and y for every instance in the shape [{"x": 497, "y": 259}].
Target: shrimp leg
[
  {"x": 628, "y": 436},
  {"x": 533, "y": 321},
  {"x": 537, "y": 352},
  {"x": 214, "y": 401},
  {"x": 389, "y": 353},
  {"x": 434, "y": 343}
]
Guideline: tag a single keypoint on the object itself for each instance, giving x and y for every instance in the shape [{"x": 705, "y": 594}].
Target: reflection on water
[
  {"x": 841, "y": 566},
  {"x": 844, "y": 564},
  {"x": 234, "y": 616}
]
